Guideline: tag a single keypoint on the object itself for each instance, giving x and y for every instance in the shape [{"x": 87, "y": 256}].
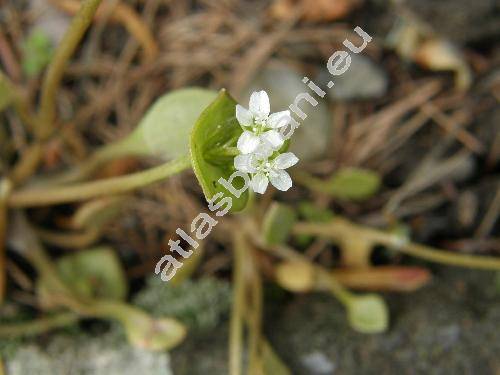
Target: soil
[{"x": 449, "y": 327}]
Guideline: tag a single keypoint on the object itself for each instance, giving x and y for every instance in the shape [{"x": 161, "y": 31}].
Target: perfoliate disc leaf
[{"x": 216, "y": 129}]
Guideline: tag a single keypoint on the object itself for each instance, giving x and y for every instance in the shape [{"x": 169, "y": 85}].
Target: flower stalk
[
  {"x": 38, "y": 326},
  {"x": 237, "y": 308},
  {"x": 45, "y": 196}
]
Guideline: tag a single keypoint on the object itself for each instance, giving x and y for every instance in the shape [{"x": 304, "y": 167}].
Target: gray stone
[
  {"x": 79, "y": 355},
  {"x": 363, "y": 80},
  {"x": 318, "y": 363}
]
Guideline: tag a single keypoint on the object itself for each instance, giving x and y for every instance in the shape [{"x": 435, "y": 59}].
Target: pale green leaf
[
  {"x": 94, "y": 272},
  {"x": 368, "y": 314},
  {"x": 278, "y": 223},
  {"x": 354, "y": 184},
  {"x": 165, "y": 129}
]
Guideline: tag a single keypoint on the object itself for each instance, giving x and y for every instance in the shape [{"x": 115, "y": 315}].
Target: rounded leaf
[
  {"x": 368, "y": 314},
  {"x": 149, "y": 333},
  {"x": 165, "y": 129},
  {"x": 94, "y": 272},
  {"x": 354, "y": 184},
  {"x": 296, "y": 276}
]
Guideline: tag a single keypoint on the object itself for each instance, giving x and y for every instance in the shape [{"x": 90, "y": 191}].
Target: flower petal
[
  {"x": 281, "y": 180},
  {"x": 259, "y": 183},
  {"x": 263, "y": 151},
  {"x": 279, "y": 119},
  {"x": 244, "y": 116},
  {"x": 285, "y": 160},
  {"x": 273, "y": 138},
  {"x": 248, "y": 142},
  {"x": 245, "y": 163},
  {"x": 259, "y": 104}
]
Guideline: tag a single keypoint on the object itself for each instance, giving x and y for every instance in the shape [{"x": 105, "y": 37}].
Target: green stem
[
  {"x": 116, "y": 185},
  {"x": 339, "y": 228},
  {"x": 72, "y": 240},
  {"x": 254, "y": 316},
  {"x": 331, "y": 284},
  {"x": 54, "y": 74},
  {"x": 237, "y": 309},
  {"x": 38, "y": 326},
  {"x": 107, "y": 153}
]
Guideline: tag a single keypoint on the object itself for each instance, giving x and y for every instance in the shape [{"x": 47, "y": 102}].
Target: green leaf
[
  {"x": 165, "y": 129},
  {"x": 368, "y": 314},
  {"x": 311, "y": 212},
  {"x": 37, "y": 52},
  {"x": 217, "y": 129},
  {"x": 147, "y": 332},
  {"x": 296, "y": 276},
  {"x": 354, "y": 184},
  {"x": 278, "y": 223},
  {"x": 94, "y": 272}
]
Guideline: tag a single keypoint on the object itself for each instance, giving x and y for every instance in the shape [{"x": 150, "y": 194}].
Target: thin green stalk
[
  {"x": 53, "y": 77},
  {"x": 38, "y": 326},
  {"x": 90, "y": 165},
  {"x": 237, "y": 309},
  {"x": 331, "y": 283},
  {"x": 71, "y": 240},
  {"x": 254, "y": 317},
  {"x": 27, "y": 164},
  {"x": 339, "y": 228},
  {"x": 79, "y": 192}
]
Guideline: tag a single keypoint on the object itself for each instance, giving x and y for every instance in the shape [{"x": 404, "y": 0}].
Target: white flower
[
  {"x": 258, "y": 125},
  {"x": 263, "y": 169}
]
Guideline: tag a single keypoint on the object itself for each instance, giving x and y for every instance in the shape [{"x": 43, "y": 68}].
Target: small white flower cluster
[{"x": 259, "y": 145}]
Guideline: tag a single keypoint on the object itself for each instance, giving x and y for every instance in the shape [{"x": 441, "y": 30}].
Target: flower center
[{"x": 265, "y": 167}]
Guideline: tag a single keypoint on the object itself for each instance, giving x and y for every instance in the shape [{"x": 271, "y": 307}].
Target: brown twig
[{"x": 55, "y": 70}]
